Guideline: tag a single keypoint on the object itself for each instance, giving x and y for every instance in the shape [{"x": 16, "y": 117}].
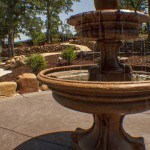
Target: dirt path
[{"x": 81, "y": 47}]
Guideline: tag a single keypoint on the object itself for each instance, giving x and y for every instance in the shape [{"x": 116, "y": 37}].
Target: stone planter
[{"x": 106, "y": 4}]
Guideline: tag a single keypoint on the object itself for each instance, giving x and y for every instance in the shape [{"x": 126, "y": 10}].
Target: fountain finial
[{"x": 106, "y": 4}]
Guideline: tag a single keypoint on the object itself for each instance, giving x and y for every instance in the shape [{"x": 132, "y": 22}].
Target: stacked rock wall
[
  {"x": 36, "y": 49},
  {"x": 137, "y": 47}
]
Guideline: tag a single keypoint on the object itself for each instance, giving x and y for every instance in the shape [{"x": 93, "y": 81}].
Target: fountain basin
[
  {"x": 97, "y": 97},
  {"x": 109, "y": 102}
]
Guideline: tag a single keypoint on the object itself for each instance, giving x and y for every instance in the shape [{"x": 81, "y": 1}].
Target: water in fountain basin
[
  {"x": 79, "y": 75},
  {"x": 83, "y": 75}
]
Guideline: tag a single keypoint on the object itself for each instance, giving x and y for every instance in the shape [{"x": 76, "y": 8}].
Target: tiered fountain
[{"x": 109, "y": 92}]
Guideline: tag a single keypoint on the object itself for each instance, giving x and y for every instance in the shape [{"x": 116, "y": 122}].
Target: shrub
[
  {"x": 18, "y": 44},
  {"x": 0, "y": 49},
  {"x": 68, "y": 54},
  {"x": 36, "y": 62},
  {"x": 39, "y": 39}
]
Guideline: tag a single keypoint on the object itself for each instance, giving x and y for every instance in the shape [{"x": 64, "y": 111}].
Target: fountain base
[
  {"x": 107, "y": 133},
  {"x": 97, "y": 74}
]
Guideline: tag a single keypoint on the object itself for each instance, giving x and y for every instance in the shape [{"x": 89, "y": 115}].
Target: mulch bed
[
  {"x": 52, "y": 61},
  {"x": 139, "y": 60}
]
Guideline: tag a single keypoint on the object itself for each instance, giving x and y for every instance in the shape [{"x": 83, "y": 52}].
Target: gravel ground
[{"x": 52, "y": 61}]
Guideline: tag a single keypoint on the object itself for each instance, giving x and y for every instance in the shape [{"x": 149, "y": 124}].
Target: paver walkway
[{"x": 36, "y": 122}]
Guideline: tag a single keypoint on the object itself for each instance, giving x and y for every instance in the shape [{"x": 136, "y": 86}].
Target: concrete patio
[{"x": 36, "y": 122}]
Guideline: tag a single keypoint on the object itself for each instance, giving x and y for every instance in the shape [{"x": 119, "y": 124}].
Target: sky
[{"x": 78, "y": 7}]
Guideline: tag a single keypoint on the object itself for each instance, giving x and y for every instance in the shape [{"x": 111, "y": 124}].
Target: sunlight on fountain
[{"x": 109, "y": 90}]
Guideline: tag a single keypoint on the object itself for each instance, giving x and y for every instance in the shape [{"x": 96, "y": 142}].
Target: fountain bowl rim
[
  {"x": 91, "y": 88},
  {"x": 111, "y": 12},
  {"x": 101, "y": 95},
  {"x": 43, "y": 72}
]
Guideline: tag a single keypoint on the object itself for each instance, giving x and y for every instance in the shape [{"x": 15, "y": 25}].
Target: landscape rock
[
  {"x": 7, "y": 66},
  {"x": 97, "y": 60},
  {"x": 15, "y": 62},
  {"x": 7, "y": 89},
  {"x": 44, "y": 87},
  {"x": 27, "y": 83},
  {"x": 19, "y": 63},
  {"x": 123, "y": 59}
]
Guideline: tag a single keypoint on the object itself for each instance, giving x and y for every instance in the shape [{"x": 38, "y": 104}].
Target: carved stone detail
[{"x": 107, "y": 133}]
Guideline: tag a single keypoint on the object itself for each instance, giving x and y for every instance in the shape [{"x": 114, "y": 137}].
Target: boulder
[
  {"x": 123, "y": 59},
  {"x": 7, "y": 89},
  {"x": 7, "y": 66},
  {"x": 15, "y": 62},
  {"x": 44, "y": 87},
  {"x": 27, "y": 83},
  {"x": 20, "y": 62},
  {"x": 97, "y": 60}
]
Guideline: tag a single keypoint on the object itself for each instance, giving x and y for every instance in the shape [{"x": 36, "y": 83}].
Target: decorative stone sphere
[{"x": 106, "y": 4}]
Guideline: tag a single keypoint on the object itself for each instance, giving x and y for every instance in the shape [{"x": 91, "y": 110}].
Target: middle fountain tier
[{"x": 109, "y": 28}]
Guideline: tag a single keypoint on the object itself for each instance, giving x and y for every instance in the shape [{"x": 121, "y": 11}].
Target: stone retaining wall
[
  {"x": 138, "y": 47},
  {"x": 36, "y": 49}
]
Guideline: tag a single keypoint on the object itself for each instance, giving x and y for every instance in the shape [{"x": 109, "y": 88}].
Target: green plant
[
  {"x": 0, "y": 54},
  {"x": 39, "y": 38},
  {"x": 18, "y": 44},
  {"x": 36, "y": 62},
  {"x": 68, "y": 54},
  {"x": 0, "y": 48}
]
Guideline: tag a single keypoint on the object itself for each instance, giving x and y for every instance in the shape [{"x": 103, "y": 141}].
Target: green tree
[
  {"x": 149, "y": 7},
  {"x": 52, "y": 10},
  {"x": 134, "y": 4},
  {"x": 19, "y": 16},
  {"x": 139, "y": 5},
  {"x": 65, "y": 33},
  {"x": 3, "y": 32}
]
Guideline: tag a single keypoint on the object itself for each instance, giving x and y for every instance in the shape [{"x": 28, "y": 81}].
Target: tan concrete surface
[
  {"x": 36, "y": 122},
  {"x": 81, "y": 47}
]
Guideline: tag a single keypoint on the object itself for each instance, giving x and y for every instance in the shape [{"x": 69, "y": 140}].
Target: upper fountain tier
[
  {"x": 110, "y": 24},
  {"x": 106, "y": 4}
]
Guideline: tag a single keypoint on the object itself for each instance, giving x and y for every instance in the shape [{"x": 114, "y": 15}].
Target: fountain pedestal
[
  {"x": 107, "y": 133},
  {"x": 109, "y": 68}
]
